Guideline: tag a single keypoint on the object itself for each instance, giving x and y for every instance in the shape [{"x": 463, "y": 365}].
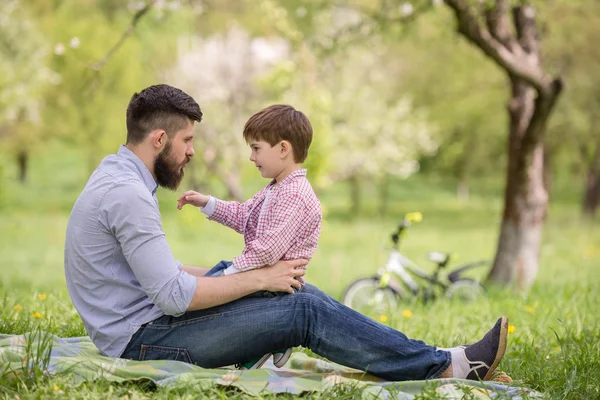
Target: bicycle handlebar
[{"x": 408, "y": 219}]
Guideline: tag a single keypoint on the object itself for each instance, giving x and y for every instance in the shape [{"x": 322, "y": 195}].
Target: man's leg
[
  {"x": 476, "y": 361},
  {"x": 250, "y": 327}
]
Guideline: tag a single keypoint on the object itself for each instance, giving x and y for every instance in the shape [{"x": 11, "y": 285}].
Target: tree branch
[
  {"x": 524, "y": 17},
  {"x": 97, "y": 66},
  {"x": 494, "y": 49},
  {"x": 499, "y": 26}
]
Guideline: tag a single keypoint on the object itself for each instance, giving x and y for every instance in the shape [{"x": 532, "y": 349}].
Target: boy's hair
[
  {"x": 281, "y": 122},
  {"x": 160, "y": 107}
]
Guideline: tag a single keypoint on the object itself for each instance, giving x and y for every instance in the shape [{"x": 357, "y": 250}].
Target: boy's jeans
[
  {"x": 252, "y": 326},
  {"x": 218, "y": 269}
]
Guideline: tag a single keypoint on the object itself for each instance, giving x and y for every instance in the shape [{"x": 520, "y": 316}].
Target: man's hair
[
  {"x": 281, "y": 122},
  {"x": 159, "y": 107}
]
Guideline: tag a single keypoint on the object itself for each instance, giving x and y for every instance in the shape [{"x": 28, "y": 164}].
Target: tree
[
  {"x": 24, "y": 75},
  {"x": 461, "y": 101},
  {"x": 573, "y": 51},
  {"x": 370, "y": 132},
  {"x": 221, "y": 72},
  {"x": 516, "y": 50}
]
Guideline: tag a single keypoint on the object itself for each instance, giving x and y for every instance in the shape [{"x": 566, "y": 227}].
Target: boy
[{"x": 283, "y": 220}]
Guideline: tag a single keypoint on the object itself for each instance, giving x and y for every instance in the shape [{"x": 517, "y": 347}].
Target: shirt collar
[
  {"x": 292, "y": 176},
  {"x": 140, "y": 167}
]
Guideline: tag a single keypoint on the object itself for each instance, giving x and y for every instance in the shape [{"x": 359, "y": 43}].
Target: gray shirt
[{"x": 119, "y": 268}]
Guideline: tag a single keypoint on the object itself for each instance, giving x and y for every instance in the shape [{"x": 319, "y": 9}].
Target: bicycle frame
[
  {"x": 399, "y": 266},
  {"x": 395, "y": 264}
]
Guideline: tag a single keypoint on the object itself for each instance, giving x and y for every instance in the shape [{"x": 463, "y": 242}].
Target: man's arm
[
  {"x": 195, "y": 271},
  {"x": 129, "y": 211},
  {"x": 214, "y": 291}
]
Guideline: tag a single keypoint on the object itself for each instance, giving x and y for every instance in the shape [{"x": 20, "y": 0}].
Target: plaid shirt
[{"x": 287, "y": 229}]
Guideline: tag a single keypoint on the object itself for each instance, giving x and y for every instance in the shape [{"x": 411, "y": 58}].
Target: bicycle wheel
[
  {"x": 465, "y": 290},
  {"x": 366, "y": 296}
]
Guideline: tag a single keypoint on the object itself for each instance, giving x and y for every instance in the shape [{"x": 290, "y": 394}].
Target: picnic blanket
[{"x": 81, "y": 361}]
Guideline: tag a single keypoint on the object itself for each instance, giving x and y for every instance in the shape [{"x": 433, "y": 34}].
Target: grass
[{"x": 554, "y": 346}]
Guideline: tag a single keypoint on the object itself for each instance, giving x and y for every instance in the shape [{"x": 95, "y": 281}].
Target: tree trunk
[
  {"x": 354, "y": 194},
  {"x": 533, "y": 96},
  {"x": 234, "y": 188},
  {"x": 462, "y": 189},
  {"x": 23, "y": 164},
  {"x": 591, "y": 198},
  {"x": 463, "y": 167},
  {"x": 525, "y": 198},
  {"x": 384, "y": 195}
]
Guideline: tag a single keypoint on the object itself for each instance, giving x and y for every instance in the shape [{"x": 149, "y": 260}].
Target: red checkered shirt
[{"x": 287, "y": 229}]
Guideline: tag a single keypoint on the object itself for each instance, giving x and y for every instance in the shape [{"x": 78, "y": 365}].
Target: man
[{"x": 138, "y": 302}]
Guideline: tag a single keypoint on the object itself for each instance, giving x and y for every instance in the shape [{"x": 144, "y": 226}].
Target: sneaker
[
  {"x": 484, "y": 356},
  {"x": 254, "y": 364},
  {"x": 280, "y": 357}
]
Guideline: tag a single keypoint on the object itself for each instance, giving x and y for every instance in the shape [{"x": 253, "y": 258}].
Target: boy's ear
[{"x": 286, "y": 148}]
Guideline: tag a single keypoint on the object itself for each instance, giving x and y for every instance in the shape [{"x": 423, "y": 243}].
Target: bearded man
[{"x": 137, "y": 302}]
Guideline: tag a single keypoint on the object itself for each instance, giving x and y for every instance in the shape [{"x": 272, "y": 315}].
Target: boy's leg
[{"x": 218, "y": 269}]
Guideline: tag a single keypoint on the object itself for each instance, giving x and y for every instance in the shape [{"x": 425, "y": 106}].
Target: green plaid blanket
[{"x": 79, "y": 358}]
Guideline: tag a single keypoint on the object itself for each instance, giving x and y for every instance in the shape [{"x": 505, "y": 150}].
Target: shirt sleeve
[
  {"x": 285, "y": 224},
  {"x": 132, "y": 214},
  {"x": 231, "y": 213},
  {"x": 209, "y": 208}
]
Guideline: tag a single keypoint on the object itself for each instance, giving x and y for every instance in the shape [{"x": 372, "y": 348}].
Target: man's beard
[{"x": 168, "y": 173}]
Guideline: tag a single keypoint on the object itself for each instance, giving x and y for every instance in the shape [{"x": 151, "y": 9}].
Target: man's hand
[
  {"x": 193, "y": 198},
  {"x": 214, "y": 291},
  {"x": 279, "y": 277}
]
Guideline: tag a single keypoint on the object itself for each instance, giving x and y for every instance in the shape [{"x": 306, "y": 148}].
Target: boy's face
[{"x": 267, "y": 159}]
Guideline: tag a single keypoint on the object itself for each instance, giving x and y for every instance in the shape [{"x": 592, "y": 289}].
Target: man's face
[{"x": 169, "y": 165}]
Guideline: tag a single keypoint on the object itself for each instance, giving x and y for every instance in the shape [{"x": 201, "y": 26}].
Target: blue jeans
[
  {"x": 218, "y": 269},
  {"x": 250, "y": 327}
]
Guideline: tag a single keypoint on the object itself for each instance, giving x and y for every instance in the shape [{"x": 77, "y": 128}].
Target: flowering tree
[
  {"x": 221, "y": 73},
  {"x": 23, "y": 78}
]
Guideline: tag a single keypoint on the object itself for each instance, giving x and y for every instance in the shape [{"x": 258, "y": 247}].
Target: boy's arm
[
  {"x": 229, "y": 213},
  {"x": 289, "y": 217}
]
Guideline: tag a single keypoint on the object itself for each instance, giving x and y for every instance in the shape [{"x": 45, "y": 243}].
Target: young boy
[{"x": 283, "y": 220}]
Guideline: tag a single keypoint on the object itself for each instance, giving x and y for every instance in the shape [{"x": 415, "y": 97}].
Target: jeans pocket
[{"x": 164, "y": 353}]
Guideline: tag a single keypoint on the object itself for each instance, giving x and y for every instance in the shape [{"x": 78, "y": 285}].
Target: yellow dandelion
[
  {"x": 42, "y": 296},
  {"x": 55, "y": 388},
  {"x": 383, "y": 318},
  {"x": 557, "y": 348},
  {"x": 511, "y": 328},
  {"x": 17, "y": 308},
  {"x": 530, "y": 309},
  {"x": 37, "y": 315},
  {"x": 407, "y": 313}
]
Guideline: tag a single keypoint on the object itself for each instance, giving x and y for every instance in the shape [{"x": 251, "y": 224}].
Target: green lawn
[{"x": 554, "y": 346}]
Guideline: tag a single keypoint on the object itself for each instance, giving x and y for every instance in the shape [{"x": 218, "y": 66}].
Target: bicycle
[{"x": 394, "y": 282}]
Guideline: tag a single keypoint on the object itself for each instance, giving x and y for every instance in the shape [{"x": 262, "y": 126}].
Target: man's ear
[
  {"x": 159, "y": 138},
  {"x": 286, "y": 148}
]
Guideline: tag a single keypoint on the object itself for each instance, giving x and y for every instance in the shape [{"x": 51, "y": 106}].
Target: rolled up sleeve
[{"x": 133, "y": 216}]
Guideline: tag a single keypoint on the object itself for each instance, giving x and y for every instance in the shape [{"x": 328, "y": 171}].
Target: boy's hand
[{"x": 193, "y": 198}]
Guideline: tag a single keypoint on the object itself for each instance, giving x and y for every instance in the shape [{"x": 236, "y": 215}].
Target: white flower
[
  {"x": 74, "y": 43},
  {"x": 59, "y": 49},
  {"x": 406, "y": 9}
]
